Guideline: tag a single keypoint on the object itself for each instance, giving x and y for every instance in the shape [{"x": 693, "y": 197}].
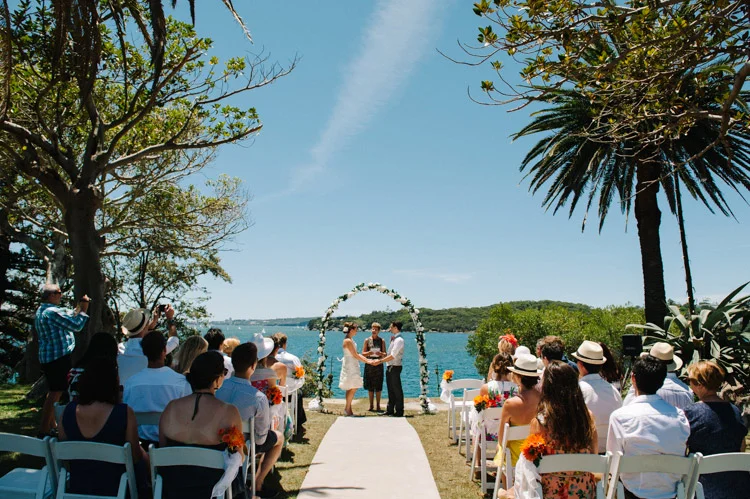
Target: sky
[{"x": 374, "y": 165}]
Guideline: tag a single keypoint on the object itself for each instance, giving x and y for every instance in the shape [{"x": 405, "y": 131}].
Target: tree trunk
[
  {"x": 683, "y": 243},
  {"x": 648, "y": 216},
  {"x": 86, "y": 246},
  {"x": 4, "y": 258}
]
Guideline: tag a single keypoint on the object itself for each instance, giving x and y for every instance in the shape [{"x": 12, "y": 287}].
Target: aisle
[{"x": 370, "y": 457}]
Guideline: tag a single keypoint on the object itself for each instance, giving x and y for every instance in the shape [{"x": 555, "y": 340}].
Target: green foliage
[
  {"x": 310, "y": 389},
  {"x": 606, "y": 325}
]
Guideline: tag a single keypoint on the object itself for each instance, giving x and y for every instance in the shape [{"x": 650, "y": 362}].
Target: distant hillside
[
  {"x": 446, "y": 319},
  {"x": 291, "y": 321}
]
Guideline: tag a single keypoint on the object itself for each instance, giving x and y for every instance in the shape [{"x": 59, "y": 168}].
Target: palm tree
[{"x": 576, "y": 167}]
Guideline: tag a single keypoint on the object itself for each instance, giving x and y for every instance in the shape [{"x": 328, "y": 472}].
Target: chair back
[
  {"x": 591, "y": 463},
  {"x": 511, "y": 433},
  {"x": 248, "y": 428},
  {"x": 491, "y": 415},
  {"x": 22, "y": 444},
  {"x": 148, "y": 418},
  {"x": 182, "y": 456},
  {"x": 94, "y": 451},
  {"x": 718, "y": 463},
  {"x": 657, "y": 463},
  {"x": 469, "y": 394},
  {"x": 460, "y": 384}
]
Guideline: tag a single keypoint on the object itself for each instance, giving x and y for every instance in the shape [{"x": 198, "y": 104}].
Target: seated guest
[
  {"x": 151, "y": 389},
  {"x": 100, "y": 345},
  {"x": 610, "y": 370},
  {"x": 270, "y": 372},
  {"x": 568, "y": 428},
  {"x": 136, "y": 324},
  {"x": 500, "y": 377},
  {"x": 292, "y": 362},
  {"x": 263, "y": 377},
  {"x": 506, "y": 344},
  {"x": 601, "y": 397},
  {"x": 552, "y": 348},
  {"x": 275, "y": 365},
  {"x": 648, "y": 425},
  {"x": 190, "y": 349},
  {"x": 673, "y": 390},
  {"x": 215, "y": 339},
  {"x": 195, "y": 421},
  {"x": 716, "y": 427},
  {"x": 252, "y": 403},
  {"x": 97, "y": 416},
  {"x": 520, "y": 409},
  {"x": 229, "y": 345}
]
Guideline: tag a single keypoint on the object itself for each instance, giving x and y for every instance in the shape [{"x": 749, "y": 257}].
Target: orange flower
[
  {"x": 233, "y": 437},
  {"x": 448, "y": 376},
  {"x": 534, "y": 447},
  {"x": 510, "y": 338},
  {"x": 481, "y": 402},
  {"x": 274, "y": 395},
  {"x": 299, "y": 372}
]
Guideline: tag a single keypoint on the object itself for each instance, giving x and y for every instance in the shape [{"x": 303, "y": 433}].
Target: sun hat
[
  {"x": 525, "y": 365},
  {"x": 590, "y": 352},
  {"x": 264, "y": 345},
  {"x": 665, "y": 353},
  {"x": 136, "y": 321},
  {"x": 522, "y": 350}
]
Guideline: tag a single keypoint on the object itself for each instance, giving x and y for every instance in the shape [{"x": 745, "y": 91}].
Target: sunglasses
[{"x": 226, "y": 371}]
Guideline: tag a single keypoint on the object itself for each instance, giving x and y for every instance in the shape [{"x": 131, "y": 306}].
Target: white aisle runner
[{"x": 374, "y": 457}]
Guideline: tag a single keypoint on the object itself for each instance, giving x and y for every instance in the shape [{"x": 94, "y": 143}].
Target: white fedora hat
[
  {"x": 665, "y": 353},
  {"x": 525, "y": 365},
  {"x": 590, "y": 352},
  {"x": 136, "y": 321},
  {"x": 264, "y": 345},
  {"x": 522, "y": 350}
]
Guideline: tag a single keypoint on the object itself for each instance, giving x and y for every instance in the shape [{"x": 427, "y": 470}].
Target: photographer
[{"x": 135, "y": 325}]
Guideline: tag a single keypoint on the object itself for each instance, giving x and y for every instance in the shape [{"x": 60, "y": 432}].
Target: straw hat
[
  {"x": 264, "y": 345},
  {"x": 665, "y": 353},
  {"x": 590, "y": 352},
  {"x": 522, "y": 350},
  {"x": 136, "y": 321},
  {"x": 525, "y": 365}
]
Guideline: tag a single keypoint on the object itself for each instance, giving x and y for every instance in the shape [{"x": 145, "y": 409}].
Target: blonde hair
[
  {"x": 229, "y": 345},
  {"x": 505, "y": 346},
  {"x": 188, "y": 351},
  {"x": 376, "y": 325},
  {"x": 708, "y": 374},
  {"x": 349, "y": 326}
]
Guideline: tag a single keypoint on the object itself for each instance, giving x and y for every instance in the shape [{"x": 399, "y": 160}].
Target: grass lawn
[{"x": 19, "y": 416}]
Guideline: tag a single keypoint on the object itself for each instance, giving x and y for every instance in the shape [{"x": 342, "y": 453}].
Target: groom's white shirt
[{"x": 396, "y": 348}]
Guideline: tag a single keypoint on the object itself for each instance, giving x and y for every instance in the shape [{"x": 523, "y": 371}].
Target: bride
[{"x": 350, "y": 379}]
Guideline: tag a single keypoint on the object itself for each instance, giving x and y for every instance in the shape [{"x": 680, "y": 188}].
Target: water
[{"x": 444, "y": 350}]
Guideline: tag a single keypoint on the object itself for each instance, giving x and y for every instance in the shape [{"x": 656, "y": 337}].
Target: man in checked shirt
[{"x": 55, "y": 327}]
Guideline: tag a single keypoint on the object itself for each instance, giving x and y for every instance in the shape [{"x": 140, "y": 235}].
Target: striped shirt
[{"x": 56, "y": 327}]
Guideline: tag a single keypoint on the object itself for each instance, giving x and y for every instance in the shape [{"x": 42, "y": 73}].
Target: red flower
[
  {"x": 534, "y": 447},
  {"x": 233, "y": 437}
]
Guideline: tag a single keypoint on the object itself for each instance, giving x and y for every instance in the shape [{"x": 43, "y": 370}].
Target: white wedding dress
[{"x": 350, "y": 376}]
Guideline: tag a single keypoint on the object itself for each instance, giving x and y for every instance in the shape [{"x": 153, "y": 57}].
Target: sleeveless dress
[
  {"x": 96, "y": 477},
  {"x": 350, "y": 377},
  {"x": 567, "y": 484},
  {"x": 373, "y": 381}
]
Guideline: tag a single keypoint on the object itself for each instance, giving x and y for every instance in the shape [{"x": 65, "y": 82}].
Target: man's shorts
[
  {"x": 271, "y": 440},
  {"x": 56, "y": 373}
]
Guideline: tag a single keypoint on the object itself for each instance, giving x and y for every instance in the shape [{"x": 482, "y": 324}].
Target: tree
[
  {"x": 577, "y": 166},
  {"x": 79, "y": 120}
]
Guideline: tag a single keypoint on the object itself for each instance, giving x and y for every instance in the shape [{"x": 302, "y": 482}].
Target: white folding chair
[
  {"x": 464, "y": 435},
  {"x": 93, "y": 451},
  {"x": 489, "y": 422},
  {"x": 591, "y": 463},
  {"x": 293, "y": 405},
  {"x": 509, "y": 433},
  {"x": 718, "y": 463},
  {"x": 183, "y": 456},
  {"x": 248, "y": 428},
  {"x": 28, "y": 482},
  {"x": 655, "y": 463},
  {"x": 455, "y": 406}
]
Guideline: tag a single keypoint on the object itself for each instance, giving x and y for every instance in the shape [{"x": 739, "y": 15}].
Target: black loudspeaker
[{"x": 632, "y": 345}]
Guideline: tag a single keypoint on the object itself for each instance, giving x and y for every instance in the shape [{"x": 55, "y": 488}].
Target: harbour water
[{"x": 444, "y": 351}]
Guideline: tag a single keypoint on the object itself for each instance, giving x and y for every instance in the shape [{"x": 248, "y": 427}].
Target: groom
[{"x": 393, "y": 371}]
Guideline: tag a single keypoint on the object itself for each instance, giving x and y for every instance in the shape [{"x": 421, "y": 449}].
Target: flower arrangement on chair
[
  {"x": 234, "y": 439},
  {"x": 299, "y": 372},
  {"x": 274, "y": 395},
  {"x": 534, "y": 448},
  {"x": 448, "y": 376}
]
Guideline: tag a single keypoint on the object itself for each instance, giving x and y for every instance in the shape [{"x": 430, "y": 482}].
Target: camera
[
  {"x": 162, "y": 308},
  {"x": 632, "y": 345}
]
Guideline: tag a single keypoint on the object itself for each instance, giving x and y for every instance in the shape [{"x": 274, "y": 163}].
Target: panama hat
[
  {"x": 522, "y": 350},
  {"x": 590, "y": 352},
  {"x": 665, "y": 353},
  {"x": 525, "y": 365},
  {"x": 136, "y": 321},
  {"x": 264, "y": 345}
]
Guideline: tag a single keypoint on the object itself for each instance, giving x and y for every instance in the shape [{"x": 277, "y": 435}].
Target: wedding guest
[
  {"x": 568, "y": 427},
  {"x": 136, "y": 324},
  {"x": 195, "y": 421},
  {"x": 673, "y": 391},
  {"x": 263, "y": 376},
  {"x": 151, "y": 389},
  {"x": 610, "y": 370},
  {"x": 100, "y": 345},
  {"x": 190, "y": 349},
  {"x": 716, "y": 427},
  {"x": 648, "y": 425},
  {"x": 252, "y": 403},
  {"x": 506, "y": 344},
  {"x": 56, "y": 328},
  {"x": 229, "y": 345},
  {"x": 520, "y": 409},
  {"x": 98, "y": 416},
  {"x": 499, "y": 387},
  {"x": 275, "y": 365},
  {"x": 292, "y": 362},
  {"x": 601, "y": 398},
  {"x": 374, "y": 348},
  {"x": 215, "y": 339}
]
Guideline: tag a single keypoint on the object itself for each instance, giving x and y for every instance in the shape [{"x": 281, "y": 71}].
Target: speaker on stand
[{"x": 632, "y": 347}]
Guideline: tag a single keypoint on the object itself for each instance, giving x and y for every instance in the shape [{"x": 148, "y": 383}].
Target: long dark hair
[
  {"x": 610, "y": 370},
  {"x": 562, "y": 410},
  {"x": 99, "y": 382},
  {"x": 100, "y": 345}
]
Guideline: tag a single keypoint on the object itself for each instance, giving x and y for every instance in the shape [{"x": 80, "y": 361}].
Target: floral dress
[
  {"x": 569, "y": 484},
  {"x": 498, "y": 392}
]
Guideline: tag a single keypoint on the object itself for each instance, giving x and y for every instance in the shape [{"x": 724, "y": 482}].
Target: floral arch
[{"x": 317, "y": 403}]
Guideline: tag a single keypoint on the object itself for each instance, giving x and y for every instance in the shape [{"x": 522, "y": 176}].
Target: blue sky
[{"x": 374, "y": 165}]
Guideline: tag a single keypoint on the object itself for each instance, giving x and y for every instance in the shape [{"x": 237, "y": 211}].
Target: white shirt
[
  {"x": 150, "y": 390},
  {"x": 602, "y": 399},
  {"x": 396, "y": 348},
  {"x": 649, "y": 425},
  {"x": 131, "y": 360},
  {"x": 172, "y": 343},
  {"x": 672, "y": 391},
  {"x": 227, "y": 363},
  {"x": 291, "y": 361}
]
